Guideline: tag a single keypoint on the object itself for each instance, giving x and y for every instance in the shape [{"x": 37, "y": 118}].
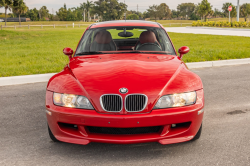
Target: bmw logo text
[{"x": 123, "y": 90}]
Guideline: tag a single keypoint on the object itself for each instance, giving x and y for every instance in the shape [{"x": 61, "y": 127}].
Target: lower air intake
[{"x": 120, "y": 131}]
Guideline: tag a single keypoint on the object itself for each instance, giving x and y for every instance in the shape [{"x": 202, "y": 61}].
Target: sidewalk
[{"x": 211, "y": 31}]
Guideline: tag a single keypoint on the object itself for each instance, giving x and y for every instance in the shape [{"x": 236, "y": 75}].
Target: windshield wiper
[{"x": 90, "y": 53}]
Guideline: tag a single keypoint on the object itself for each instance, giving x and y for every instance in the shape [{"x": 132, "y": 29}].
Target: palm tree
[
  {"x": 19, "y": 8},
  {"x": 7, "y": 4},
  {"x": 83, "y": 8},
  {"x": 89, "y": 5}
]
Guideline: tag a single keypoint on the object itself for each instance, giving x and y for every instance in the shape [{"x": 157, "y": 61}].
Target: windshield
[{"x": 125, "y": 39}]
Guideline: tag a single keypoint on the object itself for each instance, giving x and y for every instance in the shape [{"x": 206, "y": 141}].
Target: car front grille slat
[
  {"x": 111, "y": 103},
  {"x": 135, "y": 102}
]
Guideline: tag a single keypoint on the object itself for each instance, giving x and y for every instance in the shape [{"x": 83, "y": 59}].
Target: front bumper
[{"x": 164, "y": 118}]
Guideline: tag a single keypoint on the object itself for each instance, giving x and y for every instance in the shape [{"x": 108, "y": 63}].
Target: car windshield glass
[{"x": 125, "y": 39}]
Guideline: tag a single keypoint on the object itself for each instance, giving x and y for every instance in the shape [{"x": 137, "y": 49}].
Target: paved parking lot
[
  {"x": 211, "y": 31},
  {"x": 225, "y": 139}
]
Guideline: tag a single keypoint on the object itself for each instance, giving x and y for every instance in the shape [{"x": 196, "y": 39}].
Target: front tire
[
  {"x": 197, "y": 136},
  {"x": 51, "y": 135}
]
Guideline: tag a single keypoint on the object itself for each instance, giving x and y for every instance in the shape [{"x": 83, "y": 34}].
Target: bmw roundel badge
[{"x": 123, "y": 90}]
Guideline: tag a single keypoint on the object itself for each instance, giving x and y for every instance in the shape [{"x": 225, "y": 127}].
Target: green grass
[
  {"x": 46, "y": 23},
  {"x": 38, "y": 51},
  {"x": 62, "y": 24},
  {"x": 212, "y": 47}
]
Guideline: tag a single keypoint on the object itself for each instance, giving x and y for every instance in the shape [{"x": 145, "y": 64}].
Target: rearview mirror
[
  {"x": 126, "y": 34},
  {"x": 69, "y": 52},
  {"x": 183, "y": 50}
]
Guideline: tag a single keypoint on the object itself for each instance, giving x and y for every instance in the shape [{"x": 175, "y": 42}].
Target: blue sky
[{"x": 132, "y": 4}]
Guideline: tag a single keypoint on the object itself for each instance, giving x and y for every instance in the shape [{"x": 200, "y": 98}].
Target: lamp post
[{"x": 238, "y": 10}]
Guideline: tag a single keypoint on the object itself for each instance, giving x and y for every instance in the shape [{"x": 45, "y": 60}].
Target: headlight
[
  {"x": 73, "y": 101},
  {"x": 176, "y": 100}
]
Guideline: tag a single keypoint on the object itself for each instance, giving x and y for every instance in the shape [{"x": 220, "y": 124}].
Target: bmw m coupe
[{"x": 125, "y": 83}]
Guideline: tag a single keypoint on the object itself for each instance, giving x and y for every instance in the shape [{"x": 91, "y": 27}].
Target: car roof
[{"x": 125, "y": 23}]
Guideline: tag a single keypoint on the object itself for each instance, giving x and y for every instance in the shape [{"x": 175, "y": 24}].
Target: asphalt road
[
  {"x": 211, "y": 31},
  {"x": 225, "y": 138}
]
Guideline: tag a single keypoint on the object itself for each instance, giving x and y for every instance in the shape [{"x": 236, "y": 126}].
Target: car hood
[
  {"x": 150, "y": 74},
  {"x": 138, "y": 73}
]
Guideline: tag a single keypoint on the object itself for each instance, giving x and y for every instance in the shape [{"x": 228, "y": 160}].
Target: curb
[
  {"x": 17, "y": 80},
  {"x": 219, "y": 63}
]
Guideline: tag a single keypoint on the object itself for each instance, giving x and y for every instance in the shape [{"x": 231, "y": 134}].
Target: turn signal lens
[{"x": 57, "y": 97}]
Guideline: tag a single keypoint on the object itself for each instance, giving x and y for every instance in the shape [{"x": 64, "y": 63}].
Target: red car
[{"x": 125, "y": 83}]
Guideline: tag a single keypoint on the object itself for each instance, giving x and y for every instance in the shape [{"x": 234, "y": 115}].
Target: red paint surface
[
  {"x": 69, "y": 52},
  {"x": 151, "y": 74},
  {"x": 183, "y": 50}
]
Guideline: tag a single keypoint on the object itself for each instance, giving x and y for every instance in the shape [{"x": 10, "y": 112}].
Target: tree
[
  {"x": 74, "y": 14},
  {"x": 217, "y": 13},
  {"x": 225, "y": 9},
  {"x": 186, "y": 9},
  {"x": 153, "y": 11},
  {"x": 245, "y": 10},
  {"x": 99, "y": 8},
  {"x": 43, "y": 12},
  {"x": 62, "y": 13},
  {"x": 7, "y": 4},
  {"x": 145, "y": 14},
  {"x": 19, "y": 7},
  {"x": 164, "y": 11},
  {"x": 175, "y": 14},
  {"x": 132, "y": 17},
  {"x": 33, "y": 14},
  {"x": 89, "y": 5},
  {"x": 139, "y": 14},
  {"x": 193, "y": 16},
  {"x": 83, "y": 8},
  {"x": 205, "y": 9},
  {"x": 109, "y": 9}
]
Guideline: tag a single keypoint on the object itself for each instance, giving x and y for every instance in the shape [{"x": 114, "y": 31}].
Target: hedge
[{"x": 221, "y": 24}]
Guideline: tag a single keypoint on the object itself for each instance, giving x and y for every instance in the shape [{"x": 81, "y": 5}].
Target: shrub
[
  {"x": 195, "y": 23},
  {"x": 133, "y": 17},
  {"x": 221, "y": 24},
  {"x": 218, "y": 24},
  {"x": 211, "y": 23},
  {"x": 244, "y": 24},
  {"x": 200, "y": 23},
  {"x": 204, "y": 23},
  {"x": 235, "y": 24}
]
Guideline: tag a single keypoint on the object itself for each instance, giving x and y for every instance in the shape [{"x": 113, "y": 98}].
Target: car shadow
[{"x": 117, "y": 152}]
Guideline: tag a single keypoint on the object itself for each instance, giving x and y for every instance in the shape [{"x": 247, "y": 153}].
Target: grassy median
[{"x": 25, "y": 52}]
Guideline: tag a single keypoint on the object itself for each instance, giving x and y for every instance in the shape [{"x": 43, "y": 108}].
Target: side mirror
[
  {"x": 183, "y": 50},
  {"x": 69, "y": 52}
]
